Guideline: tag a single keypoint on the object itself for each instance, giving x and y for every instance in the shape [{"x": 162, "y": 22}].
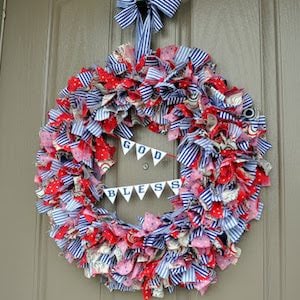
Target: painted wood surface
[{"x": 255, "y": 44}]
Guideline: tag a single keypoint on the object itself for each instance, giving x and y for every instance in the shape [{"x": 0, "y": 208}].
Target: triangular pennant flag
[
  {"x": 111, "y": 194},
  {"x": 158, "y": 188},
  {"x": 126, "y": 192},
  {"x": 141, "y": 190},
  {"x": 141, "y": 150},
  {"x": 127, "y": 145},
  {"x": 157, "y": 155},
  {"x": 175, "y": 185}
]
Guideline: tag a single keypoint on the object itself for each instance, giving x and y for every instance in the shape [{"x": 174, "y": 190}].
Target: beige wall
[
  {"x": 1, "y": 5},
  {"x": 256, "y": 44}
]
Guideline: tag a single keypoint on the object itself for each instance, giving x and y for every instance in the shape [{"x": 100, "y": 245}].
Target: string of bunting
[
  {"x": 142, "y": 150},
  {"x": 141, "y": 189}
]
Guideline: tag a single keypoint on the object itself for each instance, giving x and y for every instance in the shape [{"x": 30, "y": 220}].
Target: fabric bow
[{"x": 130, "y": 13}]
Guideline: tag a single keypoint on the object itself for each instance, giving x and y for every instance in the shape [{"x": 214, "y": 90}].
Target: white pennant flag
[
  {"x": 175, "y": 185},
  {"x": 158, "y": 188},
  {"x": 111, "y": 194},
  {"x": 126, "y": 192},
  {"x": 127, "y": 145},
  {"x": 157, "y": 155},
  {"x": 141, "y": 190},
  {"x": 141, "y": 150}
]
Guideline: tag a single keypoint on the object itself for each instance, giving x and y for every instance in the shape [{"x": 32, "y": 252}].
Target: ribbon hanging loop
[{"x": 146, "y": 15}]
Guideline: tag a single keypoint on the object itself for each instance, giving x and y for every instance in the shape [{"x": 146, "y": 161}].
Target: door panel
[
  {"x": 255, "y": 45},
  {"x": 230, "y": 32}
]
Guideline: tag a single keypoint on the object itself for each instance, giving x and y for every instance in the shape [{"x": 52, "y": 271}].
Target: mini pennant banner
[
  {"x": 127, "y": 145},
  {"x": 157, "y": 155},
  {"x": 111, "y": 194},
  {"x": 126, "y": 192},
  {"x": 158, "y": 188},
  {"x": 141, "y": 150},
  {"x": 141, "y": 189},
  {"x": 174, "y": 185}
]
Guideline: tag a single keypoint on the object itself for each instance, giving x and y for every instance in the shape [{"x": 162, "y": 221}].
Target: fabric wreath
[{"x": 174, "y": 91}]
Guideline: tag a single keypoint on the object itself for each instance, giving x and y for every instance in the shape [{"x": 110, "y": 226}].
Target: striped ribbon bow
[{"x": 130, "y": 13}]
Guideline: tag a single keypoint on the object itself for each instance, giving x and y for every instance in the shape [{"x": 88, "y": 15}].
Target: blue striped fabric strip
[
  {"x": 242, "y": 210},
  {"x": 187, "y": 198},
  {"x": 206, "y": 199},
  {"x": 75, "y": 248},
  {"x": 55, "y": 166},
  {"x": 82, "y": 226},
  {"x": 254, "y": 196},
  {"x": 244, "y": 145},
  {"x": 229, "y": 222},
  {"x": 189, "y": 286},
  {"x": 236, "y": 232},
  {"x": 188, "y": 154},
  {"x": 154, "y": 282},
  {"x": 212, "y": 234},
  {"x": 60, "y": 217},
  {"x": 47, "y": 175},
  {"x": 176, "y": 279},
  {"x": 234, "y": 131},
  {"x": 102, "y": 114},
  {"x": 199, "y": 57},
  {"x": 185, "y": 171},
  {"x": 64, "y": 93},
  {"x": 77, "y": 127},
  {"x": 226, "y": 116},
  {"x": 123, "y": 131},
  {"x": 128, "y": 15},
  {"x": 73, "y": 205},
  {"x": 67, "y": 180},
  {"x": 259, "y": 211},
  {"x": 146, "y": 92},
  {"x": 94, "y": 128},
  {"x": 247, "y": 101},
  {"x": 189, "y": 276},
  {"x": 163, "y": 269},
  {"x": 118, "y": 278},
  {"x": 115, "y": 66},
  {"x": 41, "y": 207},
  {"x": 182, "y": 55},
  {"x": 61, "y": 243},
  {"x": 66, "y": 197},
  {"x": 263, "y": 146},
  {"x": 85, "y": 78},
  {"x": 93, "y": 98},
  {"x": 62, "y": 139},
  {"x": 202, "y": 270}
]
